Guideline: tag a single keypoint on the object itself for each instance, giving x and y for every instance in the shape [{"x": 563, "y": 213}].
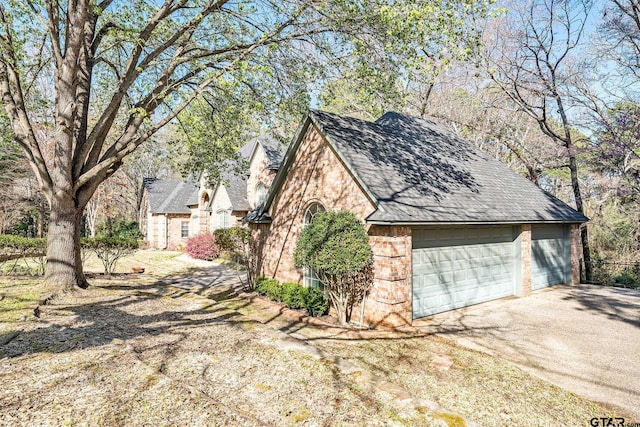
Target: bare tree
[
  {"x": 620, "y": 35},
  {"x": 528, "y": 59}
]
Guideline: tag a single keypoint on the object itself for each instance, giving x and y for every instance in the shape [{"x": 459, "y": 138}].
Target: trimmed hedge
[
  {"x": 293, "y": 295},
  {"x": 23, "y": 246},
  {"x": 108, "y": 249}
]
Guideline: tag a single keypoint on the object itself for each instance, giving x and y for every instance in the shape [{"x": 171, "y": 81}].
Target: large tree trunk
[
  {"x": 64, "y": 261},
  {"x": 577, "y": 194},
  {"x": 41, "y": 214}
]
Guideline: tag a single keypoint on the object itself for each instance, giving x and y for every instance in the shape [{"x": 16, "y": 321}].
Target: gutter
[{"x": 432, "y": 223}]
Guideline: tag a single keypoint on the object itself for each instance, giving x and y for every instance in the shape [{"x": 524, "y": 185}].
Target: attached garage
[
  {"x": 550, "y": 255},
  {"x": 449, "y": 226},
  {"x": 462, "y": 266}
]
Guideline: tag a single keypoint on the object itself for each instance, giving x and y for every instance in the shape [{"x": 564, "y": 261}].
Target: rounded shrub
[
  {"x": 314, "y": 302},
  {"x": 203, "y": 246},
  {"x": 336, "y": 246},
  {"x": 293, "y": 295}
]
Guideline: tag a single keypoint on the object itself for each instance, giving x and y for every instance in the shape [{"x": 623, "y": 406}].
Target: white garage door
[
  {"x": 550, "y": 255},
  {"x": 457, "y": 267}
]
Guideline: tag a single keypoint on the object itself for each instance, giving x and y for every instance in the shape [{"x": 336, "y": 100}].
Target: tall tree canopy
[
  {"x": 529, "y": 60},
  {"x": 95, "y": 79}
]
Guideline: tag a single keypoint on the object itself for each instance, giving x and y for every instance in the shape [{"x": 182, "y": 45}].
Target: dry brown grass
[
  {"x": 141, "y": 352},
  {"x": 154, "y": 350}
]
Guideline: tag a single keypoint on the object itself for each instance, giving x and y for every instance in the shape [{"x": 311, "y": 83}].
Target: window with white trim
[
  {"x": 223, "y": 219},
  {"x": 310, "y": 279},
  {"x": 184, "y": 229},
  {"x": 261, "y": 194}
]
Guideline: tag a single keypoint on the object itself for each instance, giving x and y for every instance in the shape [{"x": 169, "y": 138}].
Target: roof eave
[{"x": 440, "y": 223}]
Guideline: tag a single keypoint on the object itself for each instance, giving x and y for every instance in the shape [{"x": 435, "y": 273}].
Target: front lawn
[{"x": 176, "y": 346}]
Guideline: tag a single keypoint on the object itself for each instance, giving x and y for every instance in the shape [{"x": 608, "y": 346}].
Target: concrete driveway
[{"x": 585, "y": 339}]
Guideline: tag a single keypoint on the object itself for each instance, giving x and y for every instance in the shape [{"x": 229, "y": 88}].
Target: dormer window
[{"x": 261, "y": 194}]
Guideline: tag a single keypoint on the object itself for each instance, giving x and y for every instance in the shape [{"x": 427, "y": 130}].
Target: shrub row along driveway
[
  {"x": 186, "y": 350},
  {"x": 585, "y": 339}
]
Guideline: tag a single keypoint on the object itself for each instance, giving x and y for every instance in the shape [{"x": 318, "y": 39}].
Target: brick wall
[
  {"x": 317, "y": 175},
  {"x": 174, "y": 231},
  {"x": 576, "y": 253},
  {"x": 389, "y": 302}
]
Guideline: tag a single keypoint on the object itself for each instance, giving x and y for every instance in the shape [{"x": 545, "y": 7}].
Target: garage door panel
[
  {"x": 550, "y": 257},
  {"x": 457, "y": 267}
]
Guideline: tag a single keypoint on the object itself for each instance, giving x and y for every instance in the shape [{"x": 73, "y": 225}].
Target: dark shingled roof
[
  {"x": 417, "y": 171},
  {"x": 273, "y": 149},
  {"x": 170, "y": 195},
  {"x": 236, "y": 187}
]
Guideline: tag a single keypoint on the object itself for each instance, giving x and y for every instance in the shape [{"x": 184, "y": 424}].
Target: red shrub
[{"x": 203, "y": 246}]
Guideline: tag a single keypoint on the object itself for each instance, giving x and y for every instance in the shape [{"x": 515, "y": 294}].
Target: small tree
[
  {"x": 110, "y": 250},
  {"x": 336, "y": 247},
  {"x": 237, "y": 242}
]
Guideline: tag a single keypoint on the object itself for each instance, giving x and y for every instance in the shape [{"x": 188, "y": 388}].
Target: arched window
[
  {"x": 204, "y": 200},
  {"x": 313, "y": 210},
  {"x": 309, "y": 276},
  {"x": 261, "y": 194}
]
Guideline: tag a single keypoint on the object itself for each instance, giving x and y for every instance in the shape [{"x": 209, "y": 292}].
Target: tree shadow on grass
[{"x": 98, "y": 323}]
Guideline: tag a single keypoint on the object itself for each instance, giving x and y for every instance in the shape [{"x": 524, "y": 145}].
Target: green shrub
[
  {"x": 109, "y": 250},
  {"x": 269, "y": 288},
  {"x": 232, "y": 239},
  {"x": 119, "y": 227},
  {"x": 336, "y": 247},
  {"x": 314, "y": 302},
  {"x": 627, "y": 278},
  {"x": 24, "y": 246},
  {"x": 293, "y": 295}
]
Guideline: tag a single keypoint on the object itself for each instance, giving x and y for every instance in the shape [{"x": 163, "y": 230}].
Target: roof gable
[
  {"x": 419, "y": 172},
  {"x": 170, "y": 195},
  {"x": 236, "y": 185},
  {"x": 273, "y": 149}
]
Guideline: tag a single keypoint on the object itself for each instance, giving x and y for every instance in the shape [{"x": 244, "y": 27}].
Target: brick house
[
  {"x": 449, "y": 226},
  {"x": 174, "y": 210},
  {"x": 166, "y": 218}
]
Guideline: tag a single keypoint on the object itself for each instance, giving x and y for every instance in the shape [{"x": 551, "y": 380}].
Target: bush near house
[
  {"x": 293, "y": 295},
  {"x": 203, "y": 246},
  {"x": 336, "y": 247}
]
